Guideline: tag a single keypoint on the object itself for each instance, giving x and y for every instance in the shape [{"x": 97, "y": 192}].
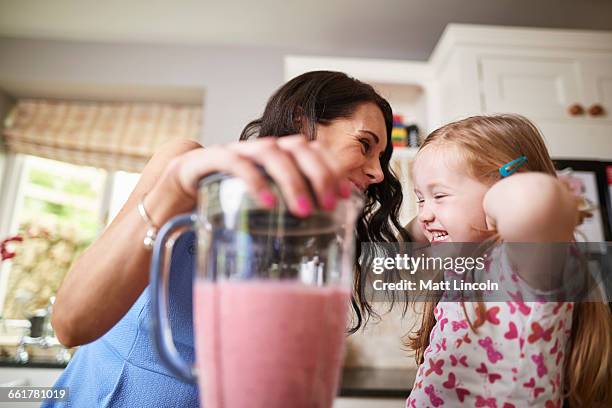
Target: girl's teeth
[{"x": 440, "y": 236}]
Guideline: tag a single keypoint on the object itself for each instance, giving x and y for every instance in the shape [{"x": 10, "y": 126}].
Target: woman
[{"x": 345, "y": 143}]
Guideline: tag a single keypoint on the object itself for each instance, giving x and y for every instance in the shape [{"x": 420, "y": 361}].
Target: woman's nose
[{"x": 375, "y": 173}]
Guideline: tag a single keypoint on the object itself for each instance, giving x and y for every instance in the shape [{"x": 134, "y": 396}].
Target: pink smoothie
[{"x": 269, "y": 344}]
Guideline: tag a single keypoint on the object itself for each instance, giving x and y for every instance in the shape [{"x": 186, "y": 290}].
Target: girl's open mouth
[{"x": 439, "y": 236}]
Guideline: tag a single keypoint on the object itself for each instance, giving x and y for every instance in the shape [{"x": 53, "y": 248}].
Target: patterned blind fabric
[{"x": 110, "y": 135}]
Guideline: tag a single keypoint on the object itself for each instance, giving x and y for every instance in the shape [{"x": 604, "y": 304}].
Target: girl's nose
[{"x": 425, "y": 215}]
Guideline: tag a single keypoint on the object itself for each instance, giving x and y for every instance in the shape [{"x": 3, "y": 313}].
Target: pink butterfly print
[
  {"x": 443, "y": 323},
  {"x": 531, "y": 384},
  {"x": 508, "y": 405},
  {"x": 512, "y": 332},
  {"x": 451, "y": 383},
  {"x": 514, "y": 277},
  {"x": 490, "y": 315},
  {"x": 436, "y": 311},
  {"x": 441, "y": 346},
  {"x": 550, "y": 404},
  {"x": 557, "y": 308},
  {"x": 435, "y": 400},
  {"x": 492, "y": 377},
  {"x": 493, "y": 355},
  {"x": 435, "y": 367},
  {"x": 518, "y": 299},
  {"x": 462, "y": 360},
  {"x": 541, "y": 367},
  {"x": 555, "y": 347},
  {"x": 459, "y": 325},
  {"x": 539, "y": 333},
  {"x": 411, "y": 403},
  {"x": 482, "y": 402},
  {"x": 464, "y": 339}
]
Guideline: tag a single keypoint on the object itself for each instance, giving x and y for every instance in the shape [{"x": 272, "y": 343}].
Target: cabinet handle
[
  {"x": 575, "y": 109},
  {"x": 596, "y": 110}
]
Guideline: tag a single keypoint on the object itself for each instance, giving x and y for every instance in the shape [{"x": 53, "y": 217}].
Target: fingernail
[
  {"x": 345, "y": 189},
  {"x": 267, "y": 198},
  {"x": 329, "y": 200},
  {"x": 304, "y": 206}
]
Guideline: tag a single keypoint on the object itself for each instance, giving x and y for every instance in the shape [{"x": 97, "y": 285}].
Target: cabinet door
[
  {"x": 582, "y": 139},
  {"x": 537, "y": 87},
  {"x": 597, "y": 79}
]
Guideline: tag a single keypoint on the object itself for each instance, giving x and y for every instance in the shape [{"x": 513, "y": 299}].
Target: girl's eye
[
  {"x": 420, "y": 201},
  {"x": 439, "y": 196},
  {"x": 366, "y": 145}
]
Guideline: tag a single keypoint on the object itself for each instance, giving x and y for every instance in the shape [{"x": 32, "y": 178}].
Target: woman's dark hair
[{"x": 319, "y": 98}]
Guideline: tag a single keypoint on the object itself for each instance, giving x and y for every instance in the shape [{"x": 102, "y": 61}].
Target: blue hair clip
[{"x": 510, "y": 167}]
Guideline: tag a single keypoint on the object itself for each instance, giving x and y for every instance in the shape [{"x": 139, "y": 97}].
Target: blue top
[{"x": 122, "y": 368}]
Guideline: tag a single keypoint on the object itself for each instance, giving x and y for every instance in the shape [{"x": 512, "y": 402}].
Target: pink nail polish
[
  {"x": 304, "y": 206},
  {"x": 267, "y": 198},
  {"x": 329, "y": 200}
]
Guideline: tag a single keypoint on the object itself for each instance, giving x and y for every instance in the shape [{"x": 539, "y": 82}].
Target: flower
[
  {"x": 6, "y": 250},
  {"x": 44, "y": 256}
]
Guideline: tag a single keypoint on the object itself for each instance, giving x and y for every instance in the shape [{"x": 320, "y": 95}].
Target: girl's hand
[
  {"x": 539, "y": 209},
  {"x": 292, "y": 161},
  {"x": 532, "y": 207}
]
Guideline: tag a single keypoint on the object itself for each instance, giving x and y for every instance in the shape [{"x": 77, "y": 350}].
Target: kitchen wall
[
  {"x": 235, "y": 81},
  {"x": 5, "y": 105}
]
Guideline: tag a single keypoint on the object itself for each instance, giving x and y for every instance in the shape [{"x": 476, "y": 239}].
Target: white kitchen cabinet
[
  {"x": 546, "y": 87},
  {"x": 538, "y": 87},
  {"x": 539, "y": 73},
  {"x": 597, "y": 77}
]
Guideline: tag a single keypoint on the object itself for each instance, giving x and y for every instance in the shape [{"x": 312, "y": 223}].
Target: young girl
[{"x": 514, "y": 353}]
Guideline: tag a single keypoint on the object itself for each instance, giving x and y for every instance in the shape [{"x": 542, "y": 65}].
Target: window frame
[{"x": 12, "y": 167}]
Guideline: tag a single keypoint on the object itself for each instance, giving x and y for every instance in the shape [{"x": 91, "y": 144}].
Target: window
[{"x": 59, "y": 209}]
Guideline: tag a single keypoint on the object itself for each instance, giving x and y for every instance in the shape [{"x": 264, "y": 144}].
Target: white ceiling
[{"x": 383, "y": 28}]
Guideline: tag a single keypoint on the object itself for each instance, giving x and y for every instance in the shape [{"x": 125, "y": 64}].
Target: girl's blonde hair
[{"x": 485, "y": 143}]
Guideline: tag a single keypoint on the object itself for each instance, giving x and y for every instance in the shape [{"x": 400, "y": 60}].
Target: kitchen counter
[
  {"x": 376, "y": 382},
  {"x": 356, "y": 382},
  {"x": 6, "y": 362}
]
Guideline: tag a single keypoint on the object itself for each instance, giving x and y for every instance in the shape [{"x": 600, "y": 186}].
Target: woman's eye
[{"x": 365, "y": 144}]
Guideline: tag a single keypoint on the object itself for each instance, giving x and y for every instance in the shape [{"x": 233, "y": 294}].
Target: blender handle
[{"x": 159, "y": 278}]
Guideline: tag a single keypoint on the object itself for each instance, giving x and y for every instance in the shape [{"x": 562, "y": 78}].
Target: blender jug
[{"x": 271, "y": 296}]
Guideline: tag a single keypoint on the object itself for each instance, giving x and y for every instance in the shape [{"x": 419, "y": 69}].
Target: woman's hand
[
  {"x": 292, "y": 161},
  {"x": 114, "y": 269}
]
